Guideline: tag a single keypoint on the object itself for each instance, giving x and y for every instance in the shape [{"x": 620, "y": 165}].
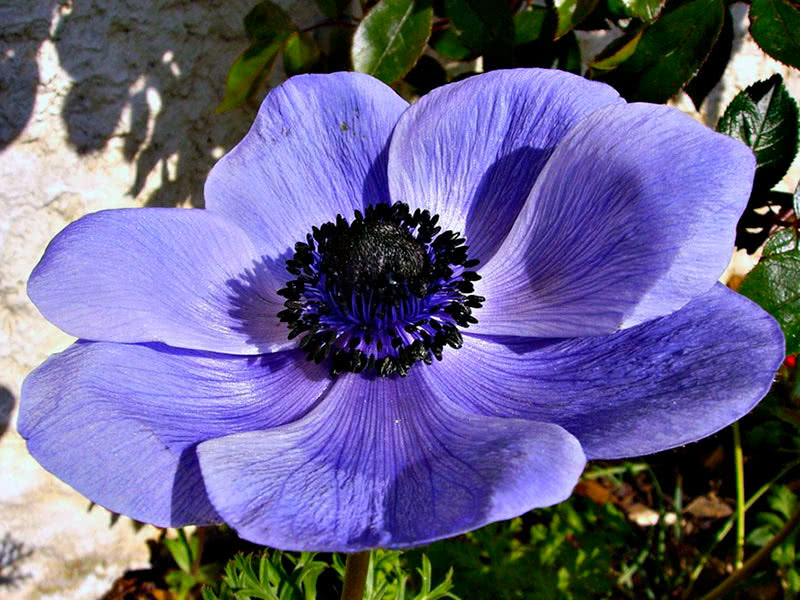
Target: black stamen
[{"x": 360, "y": 287}]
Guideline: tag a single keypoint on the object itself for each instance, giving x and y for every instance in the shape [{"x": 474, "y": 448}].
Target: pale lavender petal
[
  {"x": 317, "y": 148},
  {"x": 187, "y": 278},
  {"x": 120, "y": 422},
  {"x": 384, "y": 463},
  {"x": 661, "y": 384},
  {"x": 471, "y": 151},
  {"x": 633, "y": 216}
]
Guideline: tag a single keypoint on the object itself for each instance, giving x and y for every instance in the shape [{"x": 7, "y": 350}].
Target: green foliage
[
  {"x": 714, "y": 67},
  {"x": 571, "y": 13},
  {"x": 333, "y": 8},
  {"x": 300, "y": 54},
  {"x": 775, "y": 285},
  {"x": 764, "y": 116},
  {"x": 783, "y": 504},
  {"x": 248, "y": 73},
  {"x": 775, "y": 26},
  {"x": 268, "y": 27},
  {"x": 564, "y": 554},
  {"x": 185, "y": 551},
  {"x": 272, "y": 575},
  {"x": 276, "y": 575},
  {"x": 391, "y": 38},
  {"x": 266, "y": 21},
  {"x": 646, "y": 10},
  {"x": 388, "y": 578},
  {"x": 485, "y": 27},
  {"x": 669, "y": 52}
]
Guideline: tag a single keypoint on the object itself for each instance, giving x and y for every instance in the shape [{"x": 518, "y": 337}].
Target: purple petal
[
  {"x": 317, "y": 148},
  {"x": 384, "y": 462},
  {"x": 120, "y": 422},
  {"x": 634, "y": 215},
  {"x": 187, "y": 278},
  {"x": 471, "y": 151},
  {"x": 664, "y": 383}
]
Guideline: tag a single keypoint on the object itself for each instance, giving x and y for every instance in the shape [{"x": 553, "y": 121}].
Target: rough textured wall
[
  {"x": 106, "y": 104},
  {"x": 102, "y": 105}
]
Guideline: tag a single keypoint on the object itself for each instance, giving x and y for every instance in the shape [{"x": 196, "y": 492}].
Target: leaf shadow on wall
[
  {"x": 23, "y": 29},
  {"x": 147, "y": 76}
]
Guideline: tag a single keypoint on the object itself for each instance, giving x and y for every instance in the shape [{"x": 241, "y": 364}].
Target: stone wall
[
  {"x": 103, "y": 104},
  {"x": 107, "y": 104}
]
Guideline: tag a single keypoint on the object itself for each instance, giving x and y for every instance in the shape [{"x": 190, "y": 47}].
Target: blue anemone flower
[{"x": 393, "y": 324}]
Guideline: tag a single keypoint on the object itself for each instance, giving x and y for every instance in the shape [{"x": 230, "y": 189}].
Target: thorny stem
[
  {"x": 738, "y": 458},
  {"x": 355, "y": 575},
  {"x": 748, "y": 567}
]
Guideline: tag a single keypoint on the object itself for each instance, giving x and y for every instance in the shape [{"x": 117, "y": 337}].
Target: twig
[{"x": 748, "y": 567}]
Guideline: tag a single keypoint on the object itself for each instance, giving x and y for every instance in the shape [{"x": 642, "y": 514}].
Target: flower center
[{"x": 381, "y": 293}]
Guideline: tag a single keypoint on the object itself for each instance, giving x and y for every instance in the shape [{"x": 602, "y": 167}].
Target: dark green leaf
[
  {"x": 486, "y": 27},
  {"x": 568, "y": 54},
  {"x": 570, "y": 13},
  {"x": 764, "y": 116},
  {"x": 646, "y": 10},
  {"x": 300, "y": 53},
  {"x": 266, "y": 21},
  {"x": 248, "y": 72},
  {"x": 449, "y": 45},
  {"x": 530, "y": 24},
  {"x": 333, "y": 8},
  {"x": 391, "y": 38},
  {"x": 775, "y": 26},
  {"x": 564, "y": 54},
  {"x": 774, "y": 284},
  {"x": 669, "y": 52},
  {"x": 617, "y": 52},
  {"x": 711, "y": 72}
]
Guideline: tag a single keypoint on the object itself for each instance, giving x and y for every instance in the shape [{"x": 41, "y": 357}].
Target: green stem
[
  {"x": 726, "y": 528},
  {"x": 738, "y": 457},
  {"x": 747, "y": 568},
  {"x": 355, "y": 575}
]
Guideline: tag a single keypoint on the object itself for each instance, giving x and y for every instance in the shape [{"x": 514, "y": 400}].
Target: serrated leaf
[
  {"x": 266, "y": 21},
  {"x": 774, "y": 284},
  {"x": 764, "y": 116},
  {"x": 646, "y": 10},
  {"x": 669, "y": 52},
  {"x": 391, "y": 38},
  {"x": 300, "y": 53},
  {"x": 485, "y": 27},
  {"x": 775, "y": 26},
  {"x": 617, "y": 52},
  {"x": 530, "y": 24},
  {"x": 796, "y": 200},
  {"x": 712, "y": 70},
  {"x": 248, "y": 72},
  {"x": 571, "y": 13}
]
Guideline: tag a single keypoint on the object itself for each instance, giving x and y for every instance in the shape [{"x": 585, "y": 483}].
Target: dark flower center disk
[{"x": 381, "y": 293}]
